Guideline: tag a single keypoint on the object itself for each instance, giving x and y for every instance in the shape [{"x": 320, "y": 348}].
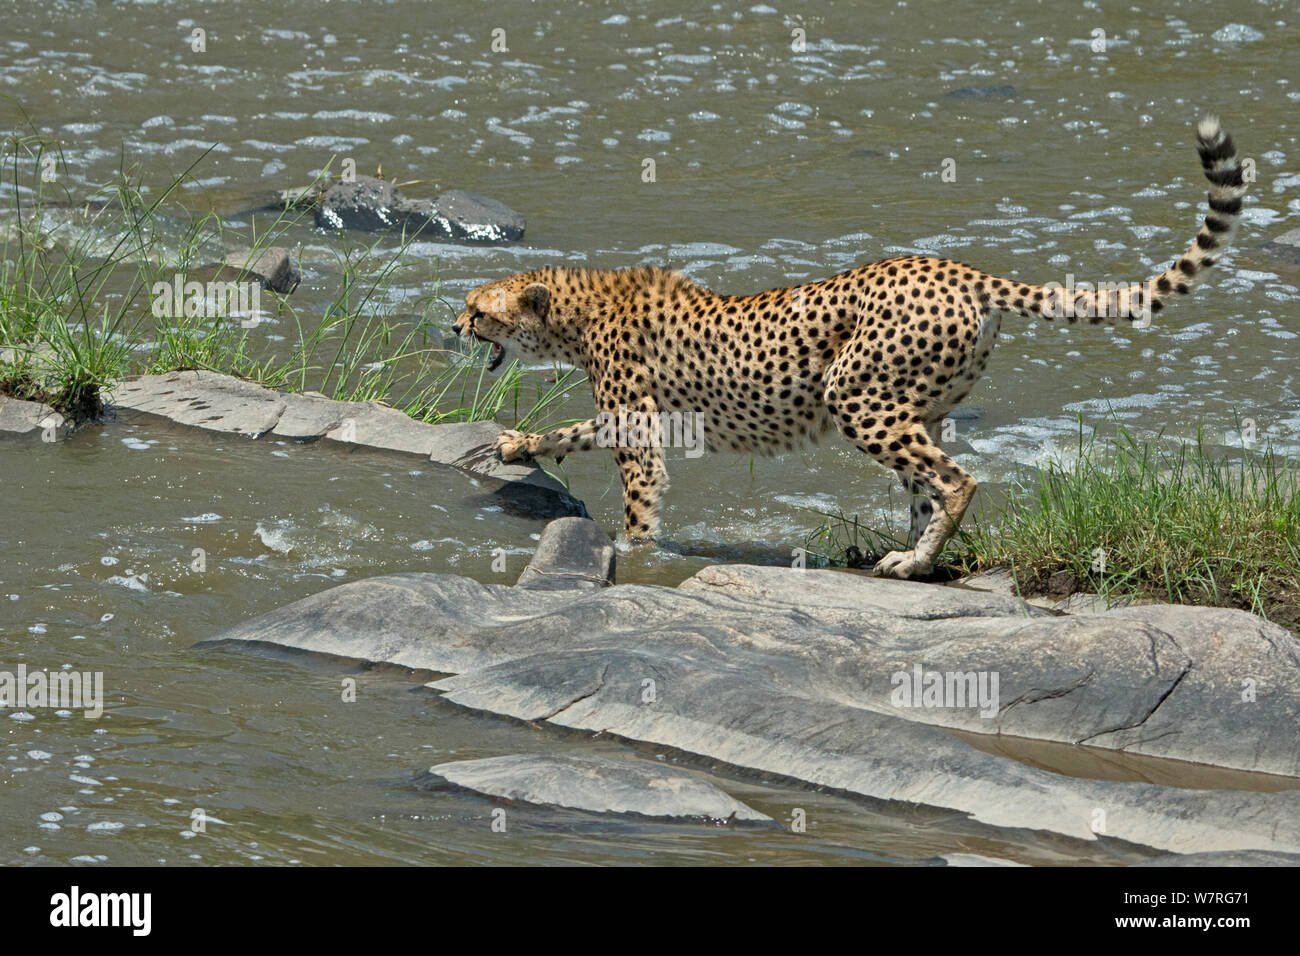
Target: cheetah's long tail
[{"x": 1121, "y": 303}]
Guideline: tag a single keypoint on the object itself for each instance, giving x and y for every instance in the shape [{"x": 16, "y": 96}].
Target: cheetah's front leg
[{"x": 558, "y": 442}]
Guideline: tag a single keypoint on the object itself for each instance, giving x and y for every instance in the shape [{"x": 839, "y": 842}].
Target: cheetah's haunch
[{"x": 881, "y": 353}]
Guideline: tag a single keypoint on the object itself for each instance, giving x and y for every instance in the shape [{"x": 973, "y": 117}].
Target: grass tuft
[{"x": 1175, "y": 521}]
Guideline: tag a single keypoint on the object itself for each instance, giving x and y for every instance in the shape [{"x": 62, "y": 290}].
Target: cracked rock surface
[{"x": 792, "y": 673}]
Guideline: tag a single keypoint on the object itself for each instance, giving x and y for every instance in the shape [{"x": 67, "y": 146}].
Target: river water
[{"x": 771, "y": 165}]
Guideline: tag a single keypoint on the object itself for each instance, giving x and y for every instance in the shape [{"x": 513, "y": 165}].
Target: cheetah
[{"x": 880, "y": 353}]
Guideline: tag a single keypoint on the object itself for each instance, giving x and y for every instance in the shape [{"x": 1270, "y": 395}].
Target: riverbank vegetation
[
  {"x": 77, "y": 276},
  {"x": 1159, "y": 519}
]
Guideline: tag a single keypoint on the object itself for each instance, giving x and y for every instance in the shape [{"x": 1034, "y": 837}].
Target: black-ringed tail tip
[
  {"x": 1141, "y": 299},
  {"x": 1223, "y": 170}
]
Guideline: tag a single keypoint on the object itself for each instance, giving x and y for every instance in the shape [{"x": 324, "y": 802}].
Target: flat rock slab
[
  {"x": 219, "y": 403},
  {"x": 792, "y": 673},
  {"x": 573, "y": 553},
  {"x": 226, "y": 404},
  {"x": 597, "y": 785},
  {"x": 30, "y": 418}
]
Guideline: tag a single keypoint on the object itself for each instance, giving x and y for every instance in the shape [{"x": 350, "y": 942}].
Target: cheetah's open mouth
[{"x": 496, "y": 356}]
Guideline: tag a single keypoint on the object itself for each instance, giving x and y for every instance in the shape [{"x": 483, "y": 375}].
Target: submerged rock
[
  {"x": 1285, "y": 248},
  {"x": 573, "y": 553},
  {"x": 794, "y": 673},
  {"x": 596, "y": 785},
  {"x": 1006, "y": 92}
]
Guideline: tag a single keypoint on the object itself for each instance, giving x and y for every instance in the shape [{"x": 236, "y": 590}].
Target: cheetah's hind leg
[{"x": 901, "y": 442}]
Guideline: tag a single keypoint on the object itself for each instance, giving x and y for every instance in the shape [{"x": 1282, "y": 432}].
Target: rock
[
  {"x": 597, "y": 785},
  {"x": 1225, "y": 858},
  {"x": 364, "y": 203},
  {"x": 995, "y": 581},
  {"x": 965, "y": 413},
  {"x": 379, "y": 426},
  {"x": 373, "y": 204},
  {"x": 300, "y": 197},
  {"x": 1285, "y": 248},
  {"x": 788, "y": 672},
  {"x": 573, "y": 553},
  {"x": 227, "y": 404},
  {"x": 310, "y": 416},
  {"x": 458, "y": 214},
  {"x": 273, "y": 267},
  {"x": 1006, "y": 92},
  {"x": 219, "y": 403},
  {"x": 521, "y": 489},
  {"x": 32, "y": 419}
]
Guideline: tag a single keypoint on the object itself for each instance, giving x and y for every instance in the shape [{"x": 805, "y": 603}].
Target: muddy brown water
[{"x": 771, "y": 166}]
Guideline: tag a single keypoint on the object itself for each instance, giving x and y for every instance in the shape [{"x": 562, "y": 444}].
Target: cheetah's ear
[{"x": 538, "y": 298}]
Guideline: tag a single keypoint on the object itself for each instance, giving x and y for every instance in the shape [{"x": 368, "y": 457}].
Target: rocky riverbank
[{"x": 837, "y": 680}]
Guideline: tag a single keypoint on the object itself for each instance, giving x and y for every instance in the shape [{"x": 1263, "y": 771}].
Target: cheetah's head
[{"x": 510, "y": 313}]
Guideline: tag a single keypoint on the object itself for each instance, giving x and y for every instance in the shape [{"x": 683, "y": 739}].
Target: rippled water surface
[{"x": 771, "y": 165}]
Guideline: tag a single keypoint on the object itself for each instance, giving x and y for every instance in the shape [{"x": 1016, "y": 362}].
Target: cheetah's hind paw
[{"x": 902, "y": 565}]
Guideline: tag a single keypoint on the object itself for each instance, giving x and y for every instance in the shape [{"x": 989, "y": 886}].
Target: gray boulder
[
  {"x": 789, "y": 672},
  {"x": 374, "y": 204},
  {"x": 30, "y": 419},
  {"x": 272, "y": 267},
  {"x": 596, "y": 785},
  {"x": 365, "y": 203},
  {"x": 573, "y": 553}
]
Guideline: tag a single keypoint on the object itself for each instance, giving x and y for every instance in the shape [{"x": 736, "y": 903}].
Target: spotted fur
[{"x": 880, "y": 353}]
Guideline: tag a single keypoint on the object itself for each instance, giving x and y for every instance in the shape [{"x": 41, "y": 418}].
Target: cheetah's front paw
[
  {"x": 515, "y": 446},
  {"x": 901, "y": 564}
]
